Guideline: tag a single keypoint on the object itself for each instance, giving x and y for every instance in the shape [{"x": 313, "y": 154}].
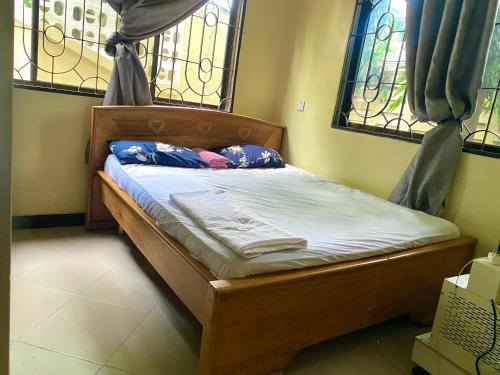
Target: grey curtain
[
  {"x": 140, "y": 19},
  {"x": 446, "y": 46}
]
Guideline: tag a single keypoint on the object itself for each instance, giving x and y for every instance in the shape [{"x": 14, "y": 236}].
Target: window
[
  {"x": 372, "y": 94},
  {"x": 59, "y": 46}
]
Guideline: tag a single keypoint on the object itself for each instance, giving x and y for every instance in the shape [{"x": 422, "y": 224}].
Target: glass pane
[
  {"x": 192, "y": 61},
  {"x": 22, "y": 39},
  {"x": 381, "y": 68},
  {"x": 484, "y": 125}
]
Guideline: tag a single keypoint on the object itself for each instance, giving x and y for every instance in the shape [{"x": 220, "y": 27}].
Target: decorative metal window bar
[
  {"x": 372, "y": 93},
  {"x": 59, "y": 47}
]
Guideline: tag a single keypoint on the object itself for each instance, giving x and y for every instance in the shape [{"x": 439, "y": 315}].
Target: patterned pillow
[
  {"x": 149, "y": 152},
  {"x": 252, "y": 156}
]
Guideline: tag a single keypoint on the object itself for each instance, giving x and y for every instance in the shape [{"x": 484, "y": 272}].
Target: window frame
[
  {"x": 231, "y": 60},
  {"x": 351, "y": 64}
]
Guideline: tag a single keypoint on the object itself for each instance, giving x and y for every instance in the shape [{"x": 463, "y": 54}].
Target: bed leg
[
  {"x": 232, "y": 345},
  {"x": 271, "y": 364}
]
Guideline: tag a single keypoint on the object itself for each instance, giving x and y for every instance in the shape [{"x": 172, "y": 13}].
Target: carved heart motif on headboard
[
  {"x": 204, "y": 128},
  {"x": 156, "y": 125},
  {"x": 244, "y": 133}
]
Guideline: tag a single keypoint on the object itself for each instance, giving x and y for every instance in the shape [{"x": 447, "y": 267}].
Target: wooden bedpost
[{"x": 235, "y": 346}]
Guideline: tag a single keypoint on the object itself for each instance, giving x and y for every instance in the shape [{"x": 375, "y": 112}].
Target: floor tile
[
  {"x": 384, "y": 349},
  {"x": 64, "y": 272},
  {"x": 24, "y": 256},
  {"x": 180, "y": 317},
  {"x": 112, "y": 371},
  {"x": 31, "y": 304},
  {"x": 107, "y": 267},
  {"x": 30, "y": 360},
  {"x": 396, "y": 340},
  {"x": 98, "y": 245},
  {"x": 106, "y": 246},
  {"x": 125, "y": 286},
  {"x": 86, "y": 329},
  {"x": 159, "y": 346},
  {"x": 53, "y": 239}
]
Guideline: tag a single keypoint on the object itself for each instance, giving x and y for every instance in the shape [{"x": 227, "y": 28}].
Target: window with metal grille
[
  {"x": 59, "y": 46},
  {"x": 372, "y": 94}
]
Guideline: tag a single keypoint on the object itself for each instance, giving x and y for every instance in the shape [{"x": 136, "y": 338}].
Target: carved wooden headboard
[{"x": 189, "y": 127}]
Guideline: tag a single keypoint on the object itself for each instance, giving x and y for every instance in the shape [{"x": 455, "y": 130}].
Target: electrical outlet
[{"x": 301, "y": 104}]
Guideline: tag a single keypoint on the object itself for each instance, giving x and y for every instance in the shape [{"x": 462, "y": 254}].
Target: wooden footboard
[{"x": 258, "y": 323}]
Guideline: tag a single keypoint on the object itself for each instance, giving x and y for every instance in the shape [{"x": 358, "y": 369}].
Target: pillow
[
  {"x": 213, "y": 159},
  {"x": 252, "y": 156},
  {"x": 150, "y": 152}
]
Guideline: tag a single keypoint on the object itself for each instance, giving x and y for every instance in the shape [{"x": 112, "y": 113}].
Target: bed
[{"x": 257, "y": 314}]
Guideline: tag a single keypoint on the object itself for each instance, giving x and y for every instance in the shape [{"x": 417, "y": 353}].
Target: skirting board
[{"x": 48, "y": 221}]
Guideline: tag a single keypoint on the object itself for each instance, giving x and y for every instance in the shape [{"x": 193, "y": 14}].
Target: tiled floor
[{"x": 88, "y": 303}]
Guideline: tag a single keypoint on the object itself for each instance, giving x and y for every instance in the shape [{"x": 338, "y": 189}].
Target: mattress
[{"x": 339, "y": 223}]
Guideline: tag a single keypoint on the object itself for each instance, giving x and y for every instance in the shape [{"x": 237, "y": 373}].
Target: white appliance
[{"x": 464, "y": 325}]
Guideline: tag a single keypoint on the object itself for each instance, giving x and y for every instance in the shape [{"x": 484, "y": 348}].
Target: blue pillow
[
  {"x": 149, "y": 152},
  {"x": 252, "y": 156}
]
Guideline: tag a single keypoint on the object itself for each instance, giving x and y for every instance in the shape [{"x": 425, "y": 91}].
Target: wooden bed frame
[{"x": 255, "y": 325}]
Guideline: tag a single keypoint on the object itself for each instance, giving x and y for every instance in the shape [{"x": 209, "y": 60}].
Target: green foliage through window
[{"x": 372, "y": 96}]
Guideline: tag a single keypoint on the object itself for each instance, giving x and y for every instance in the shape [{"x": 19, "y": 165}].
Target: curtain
[
  {"x": 446, "y": 47},
  {"x": 140, "y": 19}
]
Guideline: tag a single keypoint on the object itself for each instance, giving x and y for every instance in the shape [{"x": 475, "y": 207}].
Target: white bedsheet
[
  {"x": 338, "y": 222},
  {"x": 222, "y": 215}
]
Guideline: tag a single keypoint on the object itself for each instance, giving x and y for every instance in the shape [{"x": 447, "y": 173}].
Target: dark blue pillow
[
  {"x": 252, "y": 156},
  {"x": 149, "y": 152}
]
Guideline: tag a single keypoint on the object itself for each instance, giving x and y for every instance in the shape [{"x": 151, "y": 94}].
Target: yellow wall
[
  {"x": 265, "y": 52},
  {"x": 370, "y": 163},
  {"x": 291, "y": 50},
  {"x": 50, "y": 133},
  {"x": 6, "y": 53}
]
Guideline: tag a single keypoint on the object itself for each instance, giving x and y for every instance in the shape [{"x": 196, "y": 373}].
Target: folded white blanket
[{"x": 221, "y": 215}]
